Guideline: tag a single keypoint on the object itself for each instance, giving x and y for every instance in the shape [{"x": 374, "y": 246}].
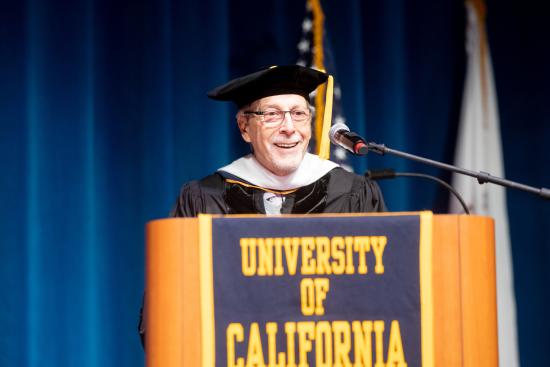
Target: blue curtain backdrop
[{"x": 103, "y": 116}]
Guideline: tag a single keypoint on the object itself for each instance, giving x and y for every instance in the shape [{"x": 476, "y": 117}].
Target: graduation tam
[{"x": 288, "y": 79}]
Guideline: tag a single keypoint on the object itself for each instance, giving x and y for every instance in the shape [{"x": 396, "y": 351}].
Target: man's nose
[{"x": 287, "y": 126}]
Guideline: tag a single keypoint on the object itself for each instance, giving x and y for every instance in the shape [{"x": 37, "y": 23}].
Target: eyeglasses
[{"x": 273, "y": 117}]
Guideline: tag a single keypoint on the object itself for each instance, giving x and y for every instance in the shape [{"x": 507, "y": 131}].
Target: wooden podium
[{"x": 463, "y": 289}]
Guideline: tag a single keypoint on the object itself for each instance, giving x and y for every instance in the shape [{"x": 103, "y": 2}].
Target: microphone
[{"x": 340, "y": 135}]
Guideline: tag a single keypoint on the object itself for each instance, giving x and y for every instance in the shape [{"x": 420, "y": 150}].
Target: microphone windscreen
[{"x": 335, "y": 129}]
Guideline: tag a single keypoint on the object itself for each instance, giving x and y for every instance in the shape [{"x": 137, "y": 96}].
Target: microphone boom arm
[{"x": 482, "y": 177}]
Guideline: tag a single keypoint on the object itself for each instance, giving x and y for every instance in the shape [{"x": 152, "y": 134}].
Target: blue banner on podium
[{"x": 318, "y": 291}]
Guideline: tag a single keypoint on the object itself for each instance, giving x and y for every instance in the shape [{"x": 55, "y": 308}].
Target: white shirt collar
[{"x": 249, "y": 169}]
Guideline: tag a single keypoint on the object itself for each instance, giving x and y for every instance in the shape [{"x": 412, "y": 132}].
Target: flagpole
[{"x": 482, "y": 177}]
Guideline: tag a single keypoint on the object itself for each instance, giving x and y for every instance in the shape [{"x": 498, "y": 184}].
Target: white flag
[{"x": 479, "y": 149}]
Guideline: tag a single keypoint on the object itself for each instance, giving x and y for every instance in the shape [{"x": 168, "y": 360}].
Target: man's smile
[{"x": 287, "y": 145}]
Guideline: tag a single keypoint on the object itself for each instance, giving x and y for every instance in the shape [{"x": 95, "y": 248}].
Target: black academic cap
[{"x": 287, "y": 79}]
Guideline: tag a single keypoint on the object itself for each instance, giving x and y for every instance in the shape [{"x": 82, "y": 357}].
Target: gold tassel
[{"x": 324, "y": 142}]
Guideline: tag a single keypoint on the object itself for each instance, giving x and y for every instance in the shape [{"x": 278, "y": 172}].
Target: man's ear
[{"x": 242, "y": 122}]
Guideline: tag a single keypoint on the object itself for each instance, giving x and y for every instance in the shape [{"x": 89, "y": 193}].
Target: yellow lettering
[
  {"x": 290, "y": 330},
  {"x": 350, "y": 269},
  {"x": 361, "y": 244},
  {"x": 332, "y": 342},
  {"x": 265, "y": 256},
  {"x": 235, "y": 332},
  {"x": 291, "y": 252},
  {"x": 379, "y": 332},
  {"x": 321, "y": 290},
  {"x": 271, "y": 330},
  {"x": 378, "y": 244},
  {"x": 248, "y": 256},
  {"x": 323, "y": 343},
  {"x": 308, "y": 263},
  {"x": 362, "y": 343},
  {"x": 396, "y": 356},
  {"x": 337, "y": 247},
  {"x": 255, "y": 356},
  {"x": 342, "y": 343},
  {"x": 307, "y": 296},
  {"x": 306, "y": 332},
  {"x": 323, "y": 255},
  {"x": 278, "y": 243}
]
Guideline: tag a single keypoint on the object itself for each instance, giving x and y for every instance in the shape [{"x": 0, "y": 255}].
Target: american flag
[{"x": 315, "y": 52}]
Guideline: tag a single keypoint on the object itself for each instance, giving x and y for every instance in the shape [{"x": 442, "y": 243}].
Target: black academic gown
[{"x": 338, "y": 191}]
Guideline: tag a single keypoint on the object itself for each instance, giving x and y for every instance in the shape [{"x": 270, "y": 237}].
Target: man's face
[{"x": 279, "y": 149}]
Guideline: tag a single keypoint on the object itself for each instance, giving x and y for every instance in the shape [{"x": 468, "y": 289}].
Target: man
[{"x": 279, "y": 177}]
